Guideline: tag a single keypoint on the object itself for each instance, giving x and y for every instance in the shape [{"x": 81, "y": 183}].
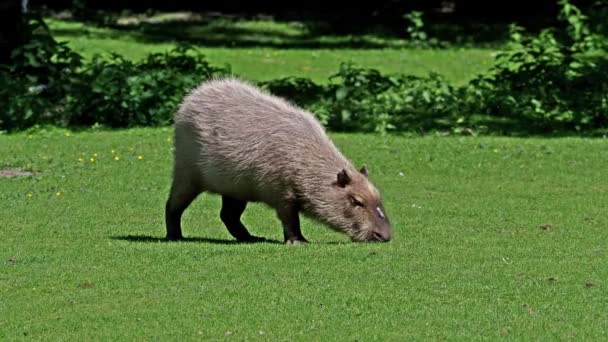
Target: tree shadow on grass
[
  {"x": 233, "y": 37},
  {"x": 156, "y": 239},
  {"x": 298, "y": 31}
]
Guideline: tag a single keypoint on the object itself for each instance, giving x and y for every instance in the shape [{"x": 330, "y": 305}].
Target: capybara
[{"x": 247, "y": 145}]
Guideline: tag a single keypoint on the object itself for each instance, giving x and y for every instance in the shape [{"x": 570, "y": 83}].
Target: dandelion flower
[
  {"x": 117, "y": 158},
  {"x": 95, "y": 155},
  {"x": 113, "y": 151},
  {"x": 58, "y": 193},
  {"x": 68, "y": 134},
  {"x": 30, "y": 195},
  {"x": 140, "y": 157},
  {"x": 80, "y": 160},
  {"x": 92, "y": 160}
]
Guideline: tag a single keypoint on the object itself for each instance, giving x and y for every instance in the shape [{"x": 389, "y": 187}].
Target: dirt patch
[{"x": 9, "y": 173}]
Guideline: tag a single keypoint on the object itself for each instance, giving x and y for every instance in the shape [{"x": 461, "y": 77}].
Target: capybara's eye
[{"x": 356, "y": 201}]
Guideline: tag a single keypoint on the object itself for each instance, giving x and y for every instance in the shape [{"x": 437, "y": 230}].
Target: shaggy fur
[{"x": 236, "y": 140}]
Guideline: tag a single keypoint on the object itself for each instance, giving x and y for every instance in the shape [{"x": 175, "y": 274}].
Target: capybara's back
[{"x": 236, "y": 140}]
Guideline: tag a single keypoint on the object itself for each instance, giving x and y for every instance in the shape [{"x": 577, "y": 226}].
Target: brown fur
[{"x": 238, "y": 141}]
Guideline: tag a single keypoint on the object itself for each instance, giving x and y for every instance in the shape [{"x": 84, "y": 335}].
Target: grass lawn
[
  {"x": 265, "y": 50},
  {"x": 495, "y": 238}
]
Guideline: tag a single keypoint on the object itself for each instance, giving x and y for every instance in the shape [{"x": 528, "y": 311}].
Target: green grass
[
  {"x": 276, "y": 55},
  {"x": 82, "y": 255}
]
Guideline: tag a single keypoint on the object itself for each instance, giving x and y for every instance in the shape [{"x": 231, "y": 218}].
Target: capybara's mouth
[
  {"x": 380, "y": 237},
  {"x": 371, "y": 237}
]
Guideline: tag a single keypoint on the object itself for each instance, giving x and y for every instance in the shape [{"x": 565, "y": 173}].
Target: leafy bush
[
  {"x": 121, "y": 93},
  {"x": 298, "y": 89},
  {"x": 550, "y": 80},
  {"x": 364, "y": 99},
  {"x": 47, "y": 83},
  {"x": 360, "y": 99},
  {"x": 35, "y": 83}
]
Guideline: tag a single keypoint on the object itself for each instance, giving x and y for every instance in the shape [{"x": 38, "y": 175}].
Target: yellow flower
[
  {"x": 140, "y": 157},
  {"x": 30, "y": 195},
  {"x": 80, "y": 160},
  {"x": 116, "y": 158},
  {"x": 113, "y": 151},
  {"x": 92, "y": 160},
  {"x": 68, "y": 134},
  {"x": 58, "y": 193},
  {"x": 95, "y": 155}
]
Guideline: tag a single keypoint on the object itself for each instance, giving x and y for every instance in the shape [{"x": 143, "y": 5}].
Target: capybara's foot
[
  {"x": 174, "y": 237},
  {"x": 295, "y": 242}
]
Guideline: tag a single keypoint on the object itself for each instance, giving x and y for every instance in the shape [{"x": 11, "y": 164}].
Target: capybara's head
[{"x": 362, "y": 215}]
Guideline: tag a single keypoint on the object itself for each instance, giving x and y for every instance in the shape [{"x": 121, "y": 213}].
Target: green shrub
[
  {"x": 360, "y": 99},
  {"x": 302, "y": 91},
  {"x": 33, "y": 86},
  {"x": 119, "y": 93},
  {"x": 553, "y": 80},
  {"x": 364, "y": 99},
  {"x": 47, "y": 83}
]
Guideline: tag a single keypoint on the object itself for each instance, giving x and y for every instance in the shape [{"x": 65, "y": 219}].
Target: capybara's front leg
[{"x": 290, "y": 218}]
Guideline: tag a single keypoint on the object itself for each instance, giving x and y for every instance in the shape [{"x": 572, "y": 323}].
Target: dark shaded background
[{"x": 356, "y": 14}]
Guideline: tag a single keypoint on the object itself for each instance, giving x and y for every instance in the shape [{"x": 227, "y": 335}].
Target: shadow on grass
[
  {"x": 287, "y": 32},
  {"x": 156, "y": 239},
  {"x": 231, "y": 37},
  {"x": 203, "y": 240}
]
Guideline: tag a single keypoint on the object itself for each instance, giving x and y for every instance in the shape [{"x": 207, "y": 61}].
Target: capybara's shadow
[{"x": 156, "y": 239}]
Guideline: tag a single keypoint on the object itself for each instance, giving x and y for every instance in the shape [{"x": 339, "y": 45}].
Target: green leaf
[{"x": 341, "y": 93}]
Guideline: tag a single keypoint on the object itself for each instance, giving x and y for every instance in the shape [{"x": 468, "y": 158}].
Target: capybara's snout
[{"x": 381, "y": 235}]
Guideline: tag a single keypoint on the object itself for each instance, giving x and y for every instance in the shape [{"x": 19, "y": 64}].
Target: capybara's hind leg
[
  {"x": 231, "y": 212},
  {"x": 181, "y": 196}
]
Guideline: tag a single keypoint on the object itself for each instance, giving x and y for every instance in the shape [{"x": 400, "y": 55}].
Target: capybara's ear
[
  {"x": 343, "y": 178},
  {"x": 364, "y": 171}
]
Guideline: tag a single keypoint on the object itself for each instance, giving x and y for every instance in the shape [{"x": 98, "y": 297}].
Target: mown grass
[
  {"x": 495, "y": 238},
  {"x": 265, "y": 50}
]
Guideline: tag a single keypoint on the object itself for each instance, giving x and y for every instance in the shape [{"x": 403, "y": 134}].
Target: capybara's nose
[{"x": 382, "y": 235}]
